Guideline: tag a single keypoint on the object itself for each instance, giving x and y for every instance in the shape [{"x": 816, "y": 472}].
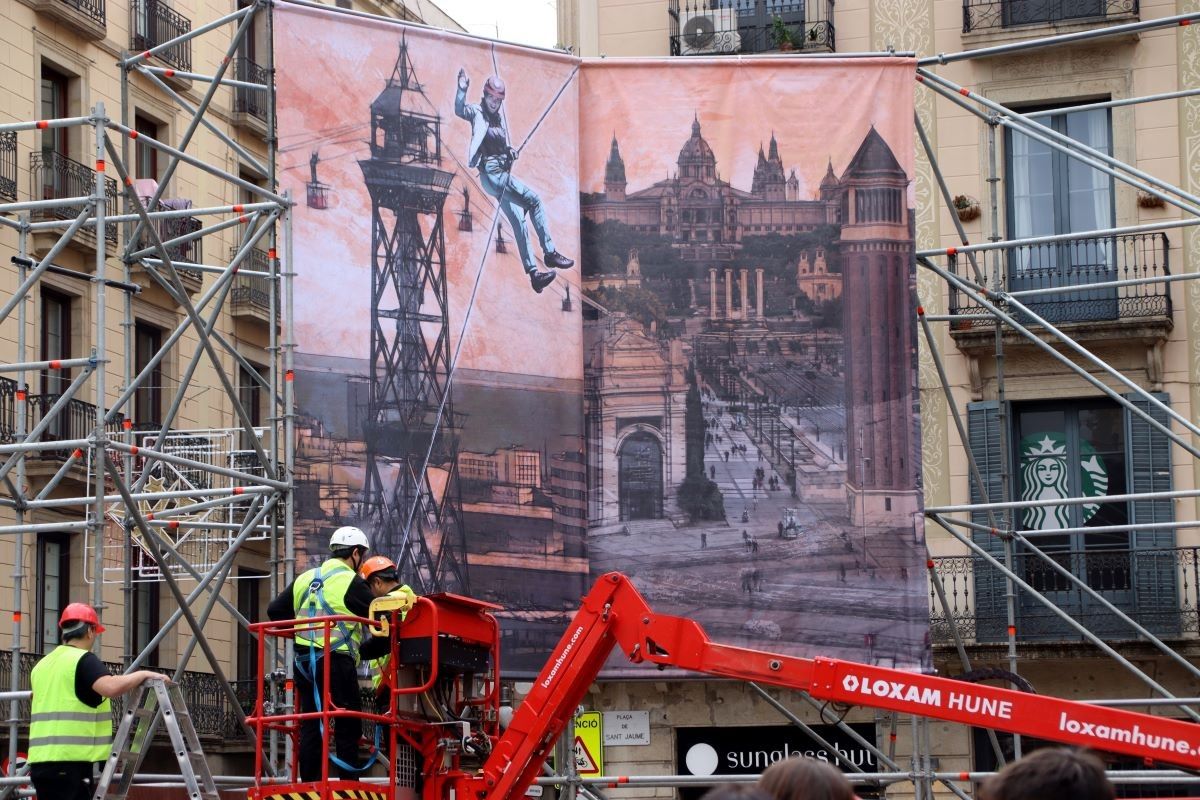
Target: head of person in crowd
[
  {"x": 736, "y": 791},
  {"x": 1052, "y": 773},
  {"x": 800, "y": 778}
]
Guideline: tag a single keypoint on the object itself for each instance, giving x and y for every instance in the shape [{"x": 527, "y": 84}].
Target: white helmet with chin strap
[{"x": 348, "y": 536}]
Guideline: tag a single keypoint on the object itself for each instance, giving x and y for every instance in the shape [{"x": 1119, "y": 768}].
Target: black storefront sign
[{"x": 751, "y": 749}]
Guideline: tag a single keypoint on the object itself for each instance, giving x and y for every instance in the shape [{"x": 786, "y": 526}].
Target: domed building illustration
[
  {"x": 867, "y": 267},
  {"x": 704, "y": 214}
]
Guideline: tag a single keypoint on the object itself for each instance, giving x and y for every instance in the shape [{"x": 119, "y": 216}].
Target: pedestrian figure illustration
[
  {"x": 712, "y": 472},
  {"x": 842, "y": 573},
  {"x": 754, "y": 545},
  {"x": 703, "y": 540},
  {"x": 492, "y": 154},
  {"x": 780, "y": 526}
]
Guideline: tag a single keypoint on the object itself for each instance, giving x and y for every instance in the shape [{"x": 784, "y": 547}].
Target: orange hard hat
[
  {"x": 376, "y": 564},
  {"x": 80, "y": 612}
]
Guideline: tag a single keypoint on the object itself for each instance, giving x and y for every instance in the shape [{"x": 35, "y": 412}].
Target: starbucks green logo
[{"x": 1044, "y": 476}]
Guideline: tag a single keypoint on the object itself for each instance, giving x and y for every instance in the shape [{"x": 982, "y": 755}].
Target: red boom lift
[{"x": 452, "y": 642}]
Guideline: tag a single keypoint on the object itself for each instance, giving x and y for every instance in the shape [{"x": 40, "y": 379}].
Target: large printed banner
[
  {"x": 753, "y": 447},
  {"x": 403, "y": 143},
  {"x": 547, "y": 328}
]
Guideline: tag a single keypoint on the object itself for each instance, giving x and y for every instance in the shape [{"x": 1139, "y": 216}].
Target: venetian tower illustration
[{"x": 411, "y": 504}]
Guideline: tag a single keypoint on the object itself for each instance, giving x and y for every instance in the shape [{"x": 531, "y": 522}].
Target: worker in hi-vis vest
[
  {"x": 332, "y": 589},
  {"x": 380, "y": 574},
  {"x": 71, "y": 723}
]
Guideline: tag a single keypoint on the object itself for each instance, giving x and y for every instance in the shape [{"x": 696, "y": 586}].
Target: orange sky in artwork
[
  {"x": 329, "y": 68},
  {"x": 818, "y": 109}
]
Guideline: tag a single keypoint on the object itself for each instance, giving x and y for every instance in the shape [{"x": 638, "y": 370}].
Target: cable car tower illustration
[{"x": 413, "y": 515}]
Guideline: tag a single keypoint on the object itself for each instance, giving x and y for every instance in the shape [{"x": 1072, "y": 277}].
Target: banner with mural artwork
[
  {"x": 718, "y": 399},
  {"x": 438, "y": 364},
  {"x": 753, "y": 442}
]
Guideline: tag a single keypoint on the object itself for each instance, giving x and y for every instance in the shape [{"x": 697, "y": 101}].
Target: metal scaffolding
[
  {"x": 166, "y": 505},
  {"x": 159, "y": 504}
]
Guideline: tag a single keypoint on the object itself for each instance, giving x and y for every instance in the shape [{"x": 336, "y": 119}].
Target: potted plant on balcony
[
  {"x": 1147, "y": 200},
  {"x": 782, "y": 35},
  {"x": 966, "y": 207}
]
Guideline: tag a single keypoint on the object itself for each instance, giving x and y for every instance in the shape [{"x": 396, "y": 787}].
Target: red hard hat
[{"x": 80, "y": 612}]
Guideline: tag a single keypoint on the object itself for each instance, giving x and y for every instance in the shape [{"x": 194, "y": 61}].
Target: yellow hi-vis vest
[
  {"x": 378, "y": 665},
  {"x": 61, "y": 728},
  {"x": 321, "y": 592}
]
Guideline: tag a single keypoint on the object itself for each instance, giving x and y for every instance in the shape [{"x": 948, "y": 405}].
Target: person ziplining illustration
[{"x": 491, "y": 153}]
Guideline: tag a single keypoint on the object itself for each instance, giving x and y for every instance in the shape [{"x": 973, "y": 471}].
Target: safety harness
[{"x": 314, "y": 605}]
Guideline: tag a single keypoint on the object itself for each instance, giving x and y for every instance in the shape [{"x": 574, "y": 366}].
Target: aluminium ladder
[{"x": 151, "y": 701}]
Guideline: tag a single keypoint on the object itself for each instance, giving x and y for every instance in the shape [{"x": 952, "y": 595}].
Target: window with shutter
[
  {"x": 983, "y": 431},
  {"x": 1154, "y": 561},
  {"x": 1073, "y": 449},
  {"x": 1085, "y": 448}
]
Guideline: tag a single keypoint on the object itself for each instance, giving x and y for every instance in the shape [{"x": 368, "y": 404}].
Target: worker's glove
[
  {"x": 512, "y": 154},
  {"x": 409, "y": 598}
]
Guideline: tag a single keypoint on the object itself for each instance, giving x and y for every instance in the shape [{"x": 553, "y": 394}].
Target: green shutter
[
  {"x": 1156, "y": 600},
  {"x": 983, "y": 431}
]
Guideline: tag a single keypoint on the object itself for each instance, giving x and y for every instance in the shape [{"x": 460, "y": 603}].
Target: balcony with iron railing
[
  {"x": 8, "y": 410},
  {"x": 1157, "y": 588},
  {"x": 8, "y": 165},
  {"x": 1137, "y": 311},
  {"x": 719, "y": 27},
  {"x": 250, "y": 105},
  {"x": 54, "y": 176},
  {"x": 153, "y": 22},
  {"x": 985, "y": 16},
  {"x": 76, "y": 421},
  {"x": 211, "y": 710},
  {"x": 190, "y": 251},
  {"x": 86, "y": 17},
  {"x": 250, "y": 297}
]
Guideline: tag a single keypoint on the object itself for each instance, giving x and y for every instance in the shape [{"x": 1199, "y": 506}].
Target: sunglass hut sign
[{"x": 751, "y": 749}]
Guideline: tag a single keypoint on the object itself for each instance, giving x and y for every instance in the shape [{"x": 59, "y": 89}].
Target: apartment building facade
[
  {"x": 63, "y": 58},
  {"x": 1021, "y": 406}
]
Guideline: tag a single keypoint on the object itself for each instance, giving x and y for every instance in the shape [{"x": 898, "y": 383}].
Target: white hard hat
[{"x": 348, "y": 536}]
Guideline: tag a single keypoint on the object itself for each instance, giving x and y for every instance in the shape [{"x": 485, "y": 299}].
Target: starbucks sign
[{"x": 1045, "y": 475}]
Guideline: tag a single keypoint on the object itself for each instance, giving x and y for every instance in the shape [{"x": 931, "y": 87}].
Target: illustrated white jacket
[{"x": 473, "y": 113}]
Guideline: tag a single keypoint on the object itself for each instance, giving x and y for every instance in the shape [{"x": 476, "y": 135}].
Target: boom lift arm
[
  {"x": 614, "y": 614},
  {"x": 450, "y": 645}
]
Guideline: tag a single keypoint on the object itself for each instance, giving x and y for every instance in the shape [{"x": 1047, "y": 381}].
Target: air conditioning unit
[{"x": 710, "y": 31}]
